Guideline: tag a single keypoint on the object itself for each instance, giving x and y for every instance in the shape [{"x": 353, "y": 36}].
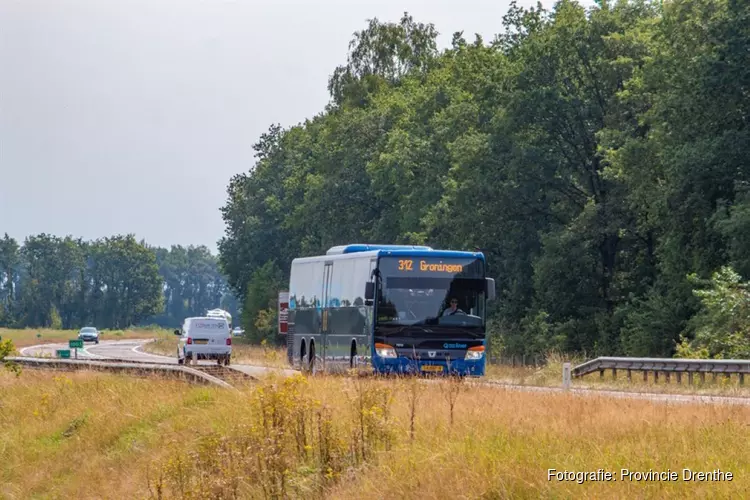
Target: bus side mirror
[
  {"x": 369, "y": 291},
  {"x": 177, "y": 332},
  {"x": 490, "y": 288}
]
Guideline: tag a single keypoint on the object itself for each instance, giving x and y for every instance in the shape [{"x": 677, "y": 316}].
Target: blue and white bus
[{"x": 389, "y": 309}]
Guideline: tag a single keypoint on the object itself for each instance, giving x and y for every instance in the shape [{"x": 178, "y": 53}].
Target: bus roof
[
  {"x": 366, "y": 247},
  {"x": 446, "y": 254},
  {"x": 391, "y": 250},
  {"x": 341, "y": 256}
]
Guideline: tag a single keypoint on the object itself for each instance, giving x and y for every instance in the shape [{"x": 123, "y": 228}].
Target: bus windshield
[{"x": 431, "y": 291}]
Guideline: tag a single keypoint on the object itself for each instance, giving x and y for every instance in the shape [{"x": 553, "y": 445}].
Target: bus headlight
[
  {"x": 385, "y": 351},
  {"x": 474, "y": 353}
]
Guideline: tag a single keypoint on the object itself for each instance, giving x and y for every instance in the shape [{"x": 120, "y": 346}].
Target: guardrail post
[
  {"x": 566, "y": 375},
  {"x": 690, "y": 378},
  {"x": 630, "y": 375},
  {"x": 656, "y": 377},
  {"x": 679, "y": 377},
  {"x": 742, "y": 379},
  {"x": 645, "y": 375},
  {"x": 601, "y": 373},
  {"x": 667, "y": 376},
  {"x": 703, "y": 377},
  {"x": 614, "y": 373}
]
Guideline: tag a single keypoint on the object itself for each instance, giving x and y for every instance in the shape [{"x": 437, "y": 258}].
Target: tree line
[
  {"x": 115, "y": 282},
  {"x": 598, "y": 157}
]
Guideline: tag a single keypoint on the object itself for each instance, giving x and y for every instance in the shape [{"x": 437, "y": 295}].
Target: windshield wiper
[
  {"x": 427, "y": 322},
  {"x": 396, "y": 328},
  {"x": 470, "y": 330}
]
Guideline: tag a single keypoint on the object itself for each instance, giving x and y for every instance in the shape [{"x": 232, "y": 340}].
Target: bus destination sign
[
  {"x": 431, "y": 266},
  {"x": 423, "y": 265}
]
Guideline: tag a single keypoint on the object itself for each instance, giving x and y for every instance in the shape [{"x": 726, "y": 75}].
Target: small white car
[
  {"x": 237, "y": 332},
  {"x": 89, "y": 333},
  {"x": 204, "y": 338}
]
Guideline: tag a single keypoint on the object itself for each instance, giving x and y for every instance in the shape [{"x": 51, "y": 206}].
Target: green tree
[
  {"x": 193, "y": 283},
  {"x": 9, "y": 274},
  {"x": 597, "y": 157},
  {"x": 379, "y": 56},
  {"x": 260, "y": 303},
  {"x": 132, "y": 287},
  {"x": 722, "y": 327},
  {"x": 683, "y": 154},
  {"x": 54, "y": 269}
]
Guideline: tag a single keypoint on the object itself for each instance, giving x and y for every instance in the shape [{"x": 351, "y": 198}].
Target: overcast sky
[{"x": 131, "y": 117}]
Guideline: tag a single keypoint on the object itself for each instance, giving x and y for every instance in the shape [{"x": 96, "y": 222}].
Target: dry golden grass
[
  {"x": 34, "y": 336},
  {"x": 87, "y": 435}
]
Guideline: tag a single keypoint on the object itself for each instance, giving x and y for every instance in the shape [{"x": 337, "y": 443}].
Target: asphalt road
[
  {"x": 114, "y": 349},
  {"x": 132, "y": 350}
]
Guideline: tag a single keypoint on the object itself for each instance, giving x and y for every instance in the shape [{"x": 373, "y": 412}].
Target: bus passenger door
[
  {"x": 371, "y": 315},
  {"x": 324, "y": 326}
]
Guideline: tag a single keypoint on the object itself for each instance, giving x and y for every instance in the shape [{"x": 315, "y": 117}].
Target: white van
[{"x": 204, "y": 338}]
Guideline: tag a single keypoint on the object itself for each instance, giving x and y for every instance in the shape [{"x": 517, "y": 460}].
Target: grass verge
[
  {"x": 90, "y": 435},
  {"x": 550, "y": 375}
]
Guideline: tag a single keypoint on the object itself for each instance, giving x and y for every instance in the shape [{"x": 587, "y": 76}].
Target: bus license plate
[
  {"x": 432, "y": 368},
  {"x": 201, "y": 341}
]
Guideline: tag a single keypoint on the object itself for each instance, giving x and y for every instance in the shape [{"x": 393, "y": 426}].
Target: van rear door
[{"x": 208, "y": 331}]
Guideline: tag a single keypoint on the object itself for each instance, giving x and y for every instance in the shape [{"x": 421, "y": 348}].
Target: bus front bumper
[{"x": 407, "y": 366}]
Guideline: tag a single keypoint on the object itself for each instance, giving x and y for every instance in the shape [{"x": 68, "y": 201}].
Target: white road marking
[
  {"x": 24, "y": 349},
  {"x": 94, "y": 355},
  {"x": 137, "y": 350}
]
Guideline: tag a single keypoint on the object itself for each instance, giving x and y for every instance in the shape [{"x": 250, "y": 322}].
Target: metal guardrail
[
  {"x": 666, "y": 366},
  {"x": 174, "y": 371}
]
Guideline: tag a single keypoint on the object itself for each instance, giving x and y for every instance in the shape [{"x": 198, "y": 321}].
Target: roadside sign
[
  {"x": 283, "y": 312},
  {"x": 75, "y": 344},
  {"x": 63, "y": 353}
]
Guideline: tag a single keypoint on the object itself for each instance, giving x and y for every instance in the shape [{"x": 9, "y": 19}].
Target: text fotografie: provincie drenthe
[{"x": 603, "y": 475}]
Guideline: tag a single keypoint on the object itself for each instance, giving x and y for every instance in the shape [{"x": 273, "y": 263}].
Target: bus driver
[{"x": 453, "y": 309}]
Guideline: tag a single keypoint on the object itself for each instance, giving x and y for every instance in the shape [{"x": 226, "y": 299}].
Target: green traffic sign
[
  {"x": 73, "y": 344},
  {"x": 63, "y": 353}
]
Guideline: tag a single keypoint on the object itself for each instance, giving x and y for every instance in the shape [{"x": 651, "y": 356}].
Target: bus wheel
[
  {"x": 311, "y": 364},
  {"x": 353, "y": 356}
]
